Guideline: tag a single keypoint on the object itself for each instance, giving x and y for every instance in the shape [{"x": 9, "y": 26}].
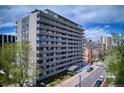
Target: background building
[
  {"x": 93, "y": 50},
  {"x": 4, "y": 38},
  {"x": 55, "y": 40},
  {"x": 106, "y": 43},
  {"x": 97, "y": 50},
  {"x": 88, "y": 51}
]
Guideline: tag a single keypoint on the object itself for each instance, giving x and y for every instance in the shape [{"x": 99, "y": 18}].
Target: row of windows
[
  {"x": 25, "y": 28},
  {"x": 59, "y": 68},
  {"x": 51, "y": 48},
  {"x": 40, "y": 36},
  {"x": 24, "y": 37},
  {"x": 59, "y": 28},
  {"x": 57, "y": 53},
  {"x": 57, "y": 48},
  {"x": 62, "y": 67},
  {"x": 57, "y": 32},
  {"x": 45, "y": 31},
  {"x": 48, "y": 42},
  {"x": 61, "y": 23},
  {"x": 55, "y": 42},
  {"x": 60, "y": 63},
  {"x": 8, "y": 38},
  {"x": 57, "y": 58}
]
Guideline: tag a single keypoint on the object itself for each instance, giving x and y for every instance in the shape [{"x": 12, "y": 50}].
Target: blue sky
[{"x": 97, "y": 20}]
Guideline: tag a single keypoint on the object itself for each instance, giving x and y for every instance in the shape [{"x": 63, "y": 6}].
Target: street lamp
[{"x": 80, "y": 81}]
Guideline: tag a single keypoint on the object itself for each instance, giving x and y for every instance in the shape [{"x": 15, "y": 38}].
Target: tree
[
  {"x": 7, "y": 57},
  {"x": 115, "y": 59},
  {"x": 119, "y": 80},
  {"x": 15, "y": 63},
  {"x": 23, "y": 66},
  {"x": 102, "y": 57},
  {"x": 118, "y": 40}
]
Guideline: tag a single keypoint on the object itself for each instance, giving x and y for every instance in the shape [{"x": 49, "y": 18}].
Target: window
[
  {"x": 47, "y": 60},
  {"x": 47, "y": 72},
  {"x": 13, "y": 38},
  {"x": 51, "y": 48},
  {"x": 56, "y": 16},
  {"x": 56, "y": 48},
  {"x": 40, "y": 61},
  {"x": 41, "y": 74},
  {"x": 23, "y": 38},
  {"x": 47, "y": 66},
  {"x": 52, "y": 43},
  {"x": 26, "y": 32},
  {"x": 51, "y": 54},
  {"x": 5, "y": 38},
  {"x": 40, "y": 55},
  {"x": 63, "y": 48},
  {"x": 51, "y": 59},
  {"x": 47, "y": 48},
  {"x": 47, "y": 54}
]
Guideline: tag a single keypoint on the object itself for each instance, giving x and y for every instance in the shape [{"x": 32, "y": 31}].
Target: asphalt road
[
  {"x": 84, "y": 78},
  {"x": 92, "y": 78}
]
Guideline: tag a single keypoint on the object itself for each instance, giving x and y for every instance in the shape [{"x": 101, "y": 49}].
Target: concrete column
[{"x": 7, "y": 37}]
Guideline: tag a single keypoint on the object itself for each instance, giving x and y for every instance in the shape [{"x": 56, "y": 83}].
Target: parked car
[{"x": 90, "y": 69}]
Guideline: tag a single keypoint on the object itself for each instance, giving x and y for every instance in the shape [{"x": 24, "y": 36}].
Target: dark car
[
  {"x": 90, "y": 69},
  {"x": 98, "y": 83}
]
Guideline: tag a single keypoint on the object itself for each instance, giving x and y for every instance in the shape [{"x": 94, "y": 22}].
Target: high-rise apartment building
[
  {"x": 4, "y": 38},
  {"x": 55, "y": 40},
  {"x": 106, "y": 43}
]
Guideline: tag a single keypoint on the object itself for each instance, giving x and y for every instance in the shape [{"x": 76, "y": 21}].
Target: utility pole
[{"x": 80, "y": 81}]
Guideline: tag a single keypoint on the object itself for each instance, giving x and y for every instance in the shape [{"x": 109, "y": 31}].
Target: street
[
  {"x": 92, "y": 78},
  {"x": 84, "y": 78}
]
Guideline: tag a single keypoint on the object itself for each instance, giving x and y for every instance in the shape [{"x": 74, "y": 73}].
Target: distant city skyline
[{"x": 97, "y": 21}]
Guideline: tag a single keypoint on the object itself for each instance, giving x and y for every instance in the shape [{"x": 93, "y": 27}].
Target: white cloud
[
  {"x": 10, "y": 24},
  {"x": 10, "y": 33},
  {"x": 96, "y": 33},
  {"x": 81, "y": 13},
  {"x": 97, "y": 14},
  {"x": 106, "y": 26}
]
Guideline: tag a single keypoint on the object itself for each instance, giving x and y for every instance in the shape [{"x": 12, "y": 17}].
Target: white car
[{"x": 101, "y": 78}]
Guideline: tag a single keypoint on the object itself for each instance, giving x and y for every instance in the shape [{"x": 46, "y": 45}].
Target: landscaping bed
[
  {"x": 107, "y": 82},
  {"x": 58, "y": 78}
]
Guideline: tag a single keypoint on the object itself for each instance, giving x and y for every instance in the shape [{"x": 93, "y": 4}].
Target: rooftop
[{"x": 47, "y": 11}]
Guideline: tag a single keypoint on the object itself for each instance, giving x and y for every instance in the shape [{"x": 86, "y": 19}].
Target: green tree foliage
[
  {"x": 7, "y": 57},
  {"x": 115, "y": 59},
  {"x": 118, "y": 40},
  {"x": 15, "y": 64},
  {"x": 119, "y": 80},
  {"x": 21, "y": 73},
  {"x": 102, "y": 56}
]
